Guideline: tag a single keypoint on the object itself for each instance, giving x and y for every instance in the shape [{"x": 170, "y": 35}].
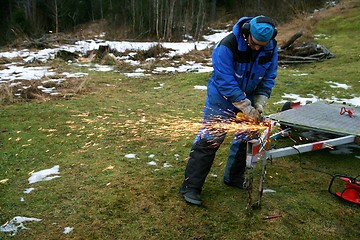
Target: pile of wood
[{"x": 291, "y": 53}]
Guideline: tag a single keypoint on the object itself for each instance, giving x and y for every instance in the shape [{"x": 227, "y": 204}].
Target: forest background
[{"x": 162, "y": 20}]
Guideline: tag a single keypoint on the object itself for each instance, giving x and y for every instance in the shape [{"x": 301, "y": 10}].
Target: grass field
[{"x": 103, "y": 194}]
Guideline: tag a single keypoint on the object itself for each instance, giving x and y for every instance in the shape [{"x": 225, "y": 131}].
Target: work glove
[
  {"x": 259, "y": 102},
  {"x": 249, "y": 111}
]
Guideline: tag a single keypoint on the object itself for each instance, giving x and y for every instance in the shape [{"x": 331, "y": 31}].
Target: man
[{"x": 245, "y": 68}]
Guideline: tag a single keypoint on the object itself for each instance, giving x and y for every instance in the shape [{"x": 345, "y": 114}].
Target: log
[
  {"x": 288, "y": 43},
  {"x": 66, "y": 55}
]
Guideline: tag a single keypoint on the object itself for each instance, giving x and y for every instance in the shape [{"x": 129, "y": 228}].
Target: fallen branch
[{"x": 288, "y": 43}]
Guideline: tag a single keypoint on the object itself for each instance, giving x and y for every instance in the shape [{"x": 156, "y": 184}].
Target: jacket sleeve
[
  {"x": 223, "y": 65},
  {"x": 267, "y": 83}
]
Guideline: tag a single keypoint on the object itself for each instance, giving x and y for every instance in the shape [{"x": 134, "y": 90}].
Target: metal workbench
[
  {"x": 322, "y": 117},
  {"x": 342, "y": 121}
]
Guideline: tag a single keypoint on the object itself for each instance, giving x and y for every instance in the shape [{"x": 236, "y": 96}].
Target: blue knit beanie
[{"x": 261, "y": 31}]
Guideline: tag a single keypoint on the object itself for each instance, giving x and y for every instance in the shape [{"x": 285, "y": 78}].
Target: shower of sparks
[{"x": 178, "y": 127}]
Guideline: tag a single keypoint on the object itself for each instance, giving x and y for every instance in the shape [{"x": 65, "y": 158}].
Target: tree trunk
[
  {"x": 101, "y": 9},
  {"x": 200, "y": 19},
  {"x": 56, "y": 16},
  {"x": 170, "y": 20},
  {"x": 133, "y": 12},
  {"x": 213, "y": 11},
  {"x": 157, "y": 19}
]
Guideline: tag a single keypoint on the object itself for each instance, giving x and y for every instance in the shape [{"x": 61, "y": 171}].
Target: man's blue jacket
[{"x": 239, "y": 72}]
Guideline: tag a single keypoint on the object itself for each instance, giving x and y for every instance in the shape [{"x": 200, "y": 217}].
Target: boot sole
[{"x": 192, "y": 201}]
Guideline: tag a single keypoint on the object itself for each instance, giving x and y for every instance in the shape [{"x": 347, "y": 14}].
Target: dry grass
[
  {"x": 307, "y": 22},
  {"x": 26, "y": 91},
  {"x": 6, "y": 94}
]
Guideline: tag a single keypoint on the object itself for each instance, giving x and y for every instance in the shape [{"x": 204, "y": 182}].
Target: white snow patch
[
  {"x": 161, "y": 85},
  {"x": 135, "y": 74},
  {"x": 300, "y": 74},
  {"x": 74, "y": 75},
  {"x": 68, "y": 230},
  {"x": 197, "y": 87},
  {"x": 43, "y": 175},
  {"x": 296, "y": 98},
  {"x": 16, "y": 224},
  {"x": 353, "y": 101},
  {"x": 269, "y": 191},
  {"x": 12, "y": 72},
  {"x": 312, "y": 98},
  {"x": 101, "y": 68},
  {"x": 130, "y": 155},
  {"x": 152, "y": 163},
  {"x": 218, "y": 35},
  {"x": 338, "y": 85},
  {"x": 167, "y": 165},
  {"x": 28, "y": 190}
]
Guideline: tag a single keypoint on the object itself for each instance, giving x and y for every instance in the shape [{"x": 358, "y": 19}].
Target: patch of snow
[
  {"x": 167, "y": 165},
  {"x": 16, "y": 224},
  {"x": 197, "y": 67},
  {"x": 312, "y": 98},
  {"x": 74, "y": 75},
  {"x": 28, "y": 190},
  {"x": 152, "y": 163},
  {"x": 200, "y": 87},
  {"x": 353, "y": 101},
  {"x": 68, "y": 230},
  {"x": 300, "y": 74},
  {"x": 101, "y": 68},
  {"x": 161, "y": 85},
  {"x": 296, "y": 98},
  {"x": 338, "y": 85},
  {"x": 218, "y": 35},
  {"x": 12, "y": 72},
  {"x": 269, "y": 191},
  {"x": 43, "y": 175},
  {"x": 205, "y": 69},
  {"x": 130, "y": 155},
  {"x": 136, "y": 74}
]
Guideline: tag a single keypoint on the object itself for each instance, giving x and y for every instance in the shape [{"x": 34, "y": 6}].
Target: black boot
[{"x": 191, "y": 196}]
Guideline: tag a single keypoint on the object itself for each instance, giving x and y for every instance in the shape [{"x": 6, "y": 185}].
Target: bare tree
[
  {"x": 200, "y": 19},
  {"x": 56, "y": 12},
  {"x": 170, "y": 20}
]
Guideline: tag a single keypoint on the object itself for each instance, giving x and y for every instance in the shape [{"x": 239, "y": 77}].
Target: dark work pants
[
  {"x": 201, "y": 158},
  {"x": 208, "y": 141}
]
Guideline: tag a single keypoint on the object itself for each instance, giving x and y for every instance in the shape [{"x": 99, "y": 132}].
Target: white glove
[{"x": 259, "y": 102}]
